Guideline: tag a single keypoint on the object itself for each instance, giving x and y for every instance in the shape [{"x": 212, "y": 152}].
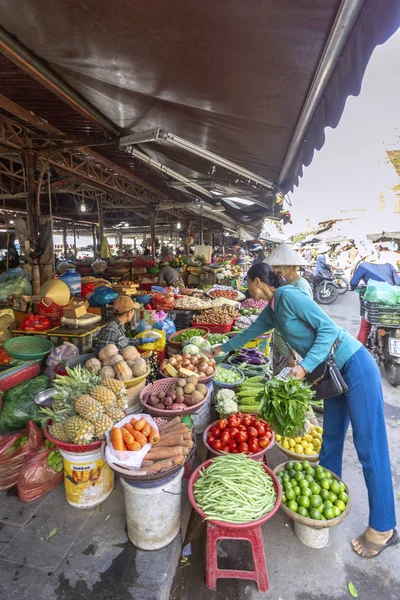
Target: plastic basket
[
  {"x": 254, "y": 456},
  {"x": 250, "y": 525},
  {"x": 164, "y": 385},
  {"x": 47, "y": 308},
  {"x": 175, "y": 335},
  {"x": 28, "y": 347},
  {"x": 229, "y": 385},
  {"x": 78, "y": 448},
  {"x": 205, "y": 380},
  {"x": 15, "y": 378},
  {"x": 377, "y": 313},
  {"x": 214, "y": 327}
]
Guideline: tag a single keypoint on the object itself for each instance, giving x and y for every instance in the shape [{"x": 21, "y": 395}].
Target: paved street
[{"x": 295, "y": 571}]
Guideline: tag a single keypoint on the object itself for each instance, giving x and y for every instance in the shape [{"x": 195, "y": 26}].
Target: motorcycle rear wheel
[
  {"x": 326, "y": 297},
  {"x": 392, "y": 371},
  {"x": 342, "y": 284}
]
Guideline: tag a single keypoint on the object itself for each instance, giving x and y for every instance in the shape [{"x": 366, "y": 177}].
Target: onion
[
  {"x": 203, "y": 368},
  {"x": 186, "y": 364},
  {"x": 211, "y": 362},
  {"x": 173, "y": 362},
  {"x": 186, "y": 356},
  {"x": 209, "y": 371},
  {"x": 195, "y": 360}
]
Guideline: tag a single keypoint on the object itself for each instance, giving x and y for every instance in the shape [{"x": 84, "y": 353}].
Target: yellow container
[
  {"x": 262, "y": 343},
  {"x": 88, "y": 479}
]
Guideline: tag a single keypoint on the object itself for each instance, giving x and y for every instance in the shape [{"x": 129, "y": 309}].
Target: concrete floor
[{"x": 297, "y": 572}]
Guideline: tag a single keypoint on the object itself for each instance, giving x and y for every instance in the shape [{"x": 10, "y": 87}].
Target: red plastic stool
[{"x": 259, "y": 575}]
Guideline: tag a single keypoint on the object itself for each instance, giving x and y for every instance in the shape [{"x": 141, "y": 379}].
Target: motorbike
[
  {"x": 384, "y": 344},
  {"x": 341, "y": 281},
  {"x": 324, "y": 287}
]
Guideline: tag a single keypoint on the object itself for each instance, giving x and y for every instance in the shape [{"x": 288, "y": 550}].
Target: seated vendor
[
  {"x": 114, "y": 331},
  {"x": 169, "y": 275}
]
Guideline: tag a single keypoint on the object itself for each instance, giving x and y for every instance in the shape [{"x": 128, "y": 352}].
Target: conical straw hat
[{"x": 285, "y": 256}]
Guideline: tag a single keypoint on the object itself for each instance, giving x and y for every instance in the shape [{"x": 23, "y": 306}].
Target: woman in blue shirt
[{"x": 309, "y": 330}]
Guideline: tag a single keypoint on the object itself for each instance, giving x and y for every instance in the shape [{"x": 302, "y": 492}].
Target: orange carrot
[
  {"x": 154, "y": 436},
  {"x": 128, "y": 438},
  {"x": 140, "y": 424},
  {"x": 134, "y": 447},
  {"x": 139, "y": 438},
  {"x": 133, "y": 421},
  {"x": 117, "y": 440},
  {"x": 146, "y": 430},
  {"x": 129, "y": 428}
]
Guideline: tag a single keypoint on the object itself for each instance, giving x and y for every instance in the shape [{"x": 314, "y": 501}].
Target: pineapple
[
  {"x": 57, "y": 430},
  {"x": 102, "y": 425},
  {"x": 88, "y": 408},
  {"x": 105, "y": 396},
  {"x": 79, "y": 381},
  {"x": 118, "y": 387},
  {"x": 78, "y": 430},
  {"x": 116, "y": 414},
  {"x": 121, "y": 402}
]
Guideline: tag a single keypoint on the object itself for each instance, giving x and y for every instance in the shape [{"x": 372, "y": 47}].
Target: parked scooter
[
  {"x": 324, "y": 287},
  {"x": 384, "y": 344},
  {"x": 341, "y": 281}
]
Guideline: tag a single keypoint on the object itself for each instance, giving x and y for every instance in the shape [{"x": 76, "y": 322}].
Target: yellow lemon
[
  {"x": 317, "y": 442},
  {"x": 299, "y": 449},
  {"x": 308, "y": 438},
  {"x": 278, "y": 437},
  {"x": 298, "y": 440},
  {"x": 286, "y": 445},
  {"x": 313, "y": 433},
  {"x": 318, "y": 429},
  {"x": 308, "y": 451},
  {"x": 310, "y": 445},
  {"x": 304, "y": 444},
  {"x": 292, "y": 443}
]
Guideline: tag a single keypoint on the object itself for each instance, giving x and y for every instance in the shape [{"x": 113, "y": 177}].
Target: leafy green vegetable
[
  {"x": 224, "y": 375},
  {"x": 217, "y": 338},
  {"x": 353, "y": 590},
  {"x": 18, "y": 405},
  {"x": 188, "y": 334},
  {"x": 17, "y": 444},
  {"x": 55, "y": 461},
  {"x": 285, "y": 404}
]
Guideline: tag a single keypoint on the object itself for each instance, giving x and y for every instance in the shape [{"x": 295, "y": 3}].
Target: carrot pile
[
  {"x": 134, "y": 435},
  {"x": 174, "y": 446}
]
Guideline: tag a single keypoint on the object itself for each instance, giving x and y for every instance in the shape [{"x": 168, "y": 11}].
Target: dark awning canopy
[{"x": 255, "y": 83}]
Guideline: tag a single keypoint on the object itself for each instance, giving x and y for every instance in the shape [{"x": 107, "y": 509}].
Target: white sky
[{"x": 352, "y": 170}]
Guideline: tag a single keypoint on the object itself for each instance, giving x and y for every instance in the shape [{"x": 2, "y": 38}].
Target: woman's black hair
[{"x": 265, "y": 274}]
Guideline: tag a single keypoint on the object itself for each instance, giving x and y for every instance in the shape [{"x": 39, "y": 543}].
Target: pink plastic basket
[
  {"x": 165, "y": 385},
  {"x": 255, "y": 456},
  {"x": 47, "y": 308}
]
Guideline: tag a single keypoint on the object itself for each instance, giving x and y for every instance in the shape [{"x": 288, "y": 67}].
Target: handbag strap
[{"x": 331, "y": 355}]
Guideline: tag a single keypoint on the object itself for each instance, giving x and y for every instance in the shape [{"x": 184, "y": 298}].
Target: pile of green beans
[{"x": 235, "y": 489}]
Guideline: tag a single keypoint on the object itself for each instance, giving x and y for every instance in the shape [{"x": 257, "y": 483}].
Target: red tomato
[
  {"x": 210, "y": 438},
  {"x": 233, "y": 421},
  {"x": 241, "y": 437},
  {"x": 222, "y": 424},
  {"x": 225, "y": 448},
  {"x": 268, "y": 434},
  {"x": 260, "y": 428},
  {"x": 233, "y": 445},
  {"x": 215, "y": 432},
  {"x": 243, "y": 447},
  {"x": 216, "y": 445},
  {"x": 233, "y": 432},
  {"x": 234, "y": 451},
  {"x": 242, "y": 428},
  {"x": 253, "y": 446},
  {"x": 225, "y": 437},
  {"x": 239, "y": 415},
  {"x": 252, "y": 432},
  {"x": 246, "y": 421},
  {"x": 263, "y": 442}
]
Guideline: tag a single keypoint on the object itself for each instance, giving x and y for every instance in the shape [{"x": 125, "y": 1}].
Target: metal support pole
[
  {"x": 201, "y": 232},
  {"x": 33, "y": 211},
  {"x": 94, "y": 241},
  {"x": 65, "y": 241},
  {"x": 53, "y": 258},
  {"x": 74, "y": 230},
  {"x": 153, "y": 219},
  {"x": 101, "y": 217},
  {"x": 120, "y": 244}
]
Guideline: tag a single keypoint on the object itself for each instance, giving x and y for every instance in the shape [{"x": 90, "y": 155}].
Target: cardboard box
[{"x": 75, "y": 309}]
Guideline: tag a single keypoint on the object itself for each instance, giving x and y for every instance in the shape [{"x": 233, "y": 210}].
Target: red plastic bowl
[
  {"x": 256, "y": 456},
  {"x": 174, "y": 335},
  {"x": 78, "y": 448},
  {"x": 252, "y": 524}
]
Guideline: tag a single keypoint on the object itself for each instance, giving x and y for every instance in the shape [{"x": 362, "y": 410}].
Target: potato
[
  {"x": 194, "y": 379},
  {"x": 190, "y": 400},
  {"x": 200, "y": 387},
  {"x": 159, "y": 405},
  {"x": 181, "y": 383},
  {"x": 168, "y": 402},
  {"x": 198, "y": 395},
  {"x": 152, "y": 400},
  {"x": 161, "y": 395},
  {"x": 189, "y": 388},
  {"x": 178, "y": 406},
  {"x": 179, "y": 391}
]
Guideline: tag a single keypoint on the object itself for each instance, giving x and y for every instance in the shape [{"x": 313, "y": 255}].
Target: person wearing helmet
[
  {"x": 168, "y": 274},
  {"x": 258, "y": 253},
  {"x": 114, "y": 331}
]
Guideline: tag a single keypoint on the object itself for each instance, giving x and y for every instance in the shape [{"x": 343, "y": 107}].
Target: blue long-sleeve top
[
  {"x": 366, "y": 271},
  {"x": 303, "y": 325}
]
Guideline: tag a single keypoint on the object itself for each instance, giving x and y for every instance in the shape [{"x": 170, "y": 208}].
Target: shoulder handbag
[{"x": 326, "y": 380}]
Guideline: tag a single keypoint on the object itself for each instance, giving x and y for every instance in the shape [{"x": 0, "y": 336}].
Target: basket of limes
[{"x": 303, "y": 447}]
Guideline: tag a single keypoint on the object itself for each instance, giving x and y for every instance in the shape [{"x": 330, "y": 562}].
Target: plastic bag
[
  {"x": 382, "y": 292},
  {"x": 128, "y": 460},
  {"x": 14, "y": 282},
  {"x": 41, "y": 471},
  {"x": 13, "y": 450},
  {"x": 167, "y": 325},
  {"x": 163, "y": 301},
  {"x": 60, "y": 355},
  {"x": 102, "y": 295},
  {"x": 99, "y": 266},
  {"x": 158, "y": 345},
  {"x": 18, "y": 405}
]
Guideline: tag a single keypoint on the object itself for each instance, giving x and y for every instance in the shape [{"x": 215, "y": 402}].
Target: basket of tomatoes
[{"x": 239, "y": 433}]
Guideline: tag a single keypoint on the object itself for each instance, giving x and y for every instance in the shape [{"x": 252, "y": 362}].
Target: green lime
[
  {"x": 303, "y": 483},
  {"x": 341, "y": 505},
  {"x": 337, "y": 512},
  {"x": 343, "y": 497},
  {"x": 290, "y": 495},
  {"x": 306, "y": 492},
  {"x": 332, "y": 497},
  {"x": 328, "y": 474},
  {"x": 315, "y": 514},
  {"x": 298, "y": 466},
  {"x": 303, "y": 511},
  {"x": 303, "y": 501},
  {"x": 284, "y": 499},
  {"x": 319, "y": 469},
  {"x": 342, "y": 486},
  {"x": 293, "y": 505},
  {"x": 335, "y": 487},
  {"x": 297, "y": 490},
  {"x": 329, "y": 513},
  {"x": 287, "y": 486},
  {"x": 328, "y": 503},
  {"x": 289, "y": 466},
  {"x": 291, "y": 473},
  {"x": 285, "y": 478},
  {"x": 320, "y": 476},
  {"x": 306, "y": 465},
  {"x": 315, "y": 488},
  {"x": 315, "y": 501},
  {"x": 309, "y": 478},
  {"x": 324, "y": 483},
  {"x": 324, "y": 495},
  {"x": 293, "y": 482},
  {"x": 299, "y": 476}
]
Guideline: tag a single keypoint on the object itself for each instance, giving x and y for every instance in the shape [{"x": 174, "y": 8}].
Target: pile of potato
[{"x": 183, "y": 393}]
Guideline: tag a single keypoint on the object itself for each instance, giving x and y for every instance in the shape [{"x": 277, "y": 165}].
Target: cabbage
[
  {"x": 197, "y": 340},
  {"x": 192, "y": 349}
]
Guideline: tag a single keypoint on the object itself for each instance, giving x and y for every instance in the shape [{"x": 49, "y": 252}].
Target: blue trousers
[{"x": 362, "y": 405}]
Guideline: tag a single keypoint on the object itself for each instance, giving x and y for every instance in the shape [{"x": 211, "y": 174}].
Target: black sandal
[{"x": 373, "y": 546}]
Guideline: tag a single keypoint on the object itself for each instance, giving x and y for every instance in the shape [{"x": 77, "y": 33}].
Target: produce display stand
[{"x": 83, "y": 338}]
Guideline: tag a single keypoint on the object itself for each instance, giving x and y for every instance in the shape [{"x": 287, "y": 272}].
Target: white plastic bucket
[
  {"x": 313, "y": 538},
  {"x": 201, "y": 418},
  {"x": 153, "y": 514},
  {"x": 88, "y": 479}
]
